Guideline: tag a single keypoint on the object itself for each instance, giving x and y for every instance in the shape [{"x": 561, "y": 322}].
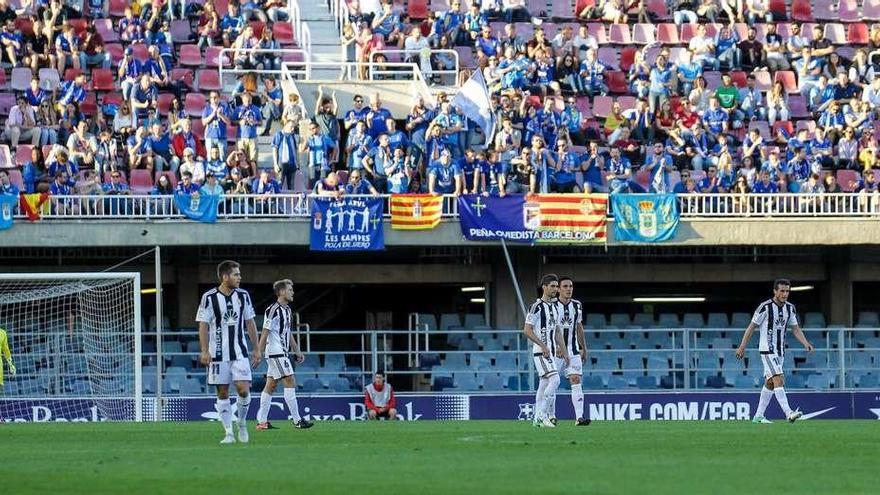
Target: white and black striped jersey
[
  {"x": 226, "y": 317},
  {"x": 773, "y": 320},
  {"x": 570, "y": 314},
  {"x": 277, "y": 322},
  {"x": 544, "y": 320}
]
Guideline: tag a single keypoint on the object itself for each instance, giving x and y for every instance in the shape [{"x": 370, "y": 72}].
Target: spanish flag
[
  {"x": 415, "y": 211},
  {"x": 581, "y": 216},
  {"x": 34, "y": 205}
]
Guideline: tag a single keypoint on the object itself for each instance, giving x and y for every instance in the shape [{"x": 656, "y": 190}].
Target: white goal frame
[{"x": 135, "y": 277}]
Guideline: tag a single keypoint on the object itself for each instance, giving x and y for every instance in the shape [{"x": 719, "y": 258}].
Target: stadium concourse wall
[
  {"x": 266, "y": 232},
  {"x": 655, "y": 406}
]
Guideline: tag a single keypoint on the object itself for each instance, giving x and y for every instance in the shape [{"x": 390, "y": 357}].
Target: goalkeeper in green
[{"x": 6, "y": 356}]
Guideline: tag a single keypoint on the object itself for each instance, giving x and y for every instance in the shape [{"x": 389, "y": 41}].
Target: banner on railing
[
  {"x": 198, "y": 207},
  {"x": 650, "y": 406},
  {"x": 34, "y": 205},
  {"x": 7, "y": 210},
  {"x": 415, "y": 211},
  {"x": 534, "y": 218},
  {"x": 644, "y": 217},
  {"x": 347, "y": 224}
]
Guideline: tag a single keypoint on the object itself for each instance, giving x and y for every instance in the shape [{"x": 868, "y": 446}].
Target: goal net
[{"x": 75, "y": 343}]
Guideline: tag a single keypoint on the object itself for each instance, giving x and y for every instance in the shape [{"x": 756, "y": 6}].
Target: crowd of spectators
[{"x": 701, "y": 96}]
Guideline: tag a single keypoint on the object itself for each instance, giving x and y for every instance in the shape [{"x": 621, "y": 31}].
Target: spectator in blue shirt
[
  {"x": 215, "y": 118},
  {"x": 359, "y": 186},
  {"x": 568, "y": 163},
  {"x": 618, "y": 172},
  {"x": 396, "y": 139},
  {"x": 116, "y": 186},
  {"x": 214, "y": 165},
  {"x": 487, "y": 45},
  {"x": 7, "y": 187},
  {"x": 379, "y": 158},
  {"x": 321, "y": 150},
  {"x": 711, "y": 183},
  {"x": 249, "y": 118},
  {"x": 660, "y": 84},
  {"x": 659, "y": 165},
  {"x": 272, "y": 104},
  {"x": 159, "y": 144},
  {"x": 593, "y": 167},
  {"x": 62, "y": 163},
  {"x": 833, "y": 120},
  {"x": 444, "y": 177},
  {"x": 264, "y": 184},
  {"x": 358, "y": 113},
  {"x": 284, "y": 150},
  {"x": 129, "y": 73},
  {"x": 232, "y": 24},
  {"x": 377, "y": 117},
  {"x": 11, "y": 43},
  {"x": 186, "y": 185},
  {"x": 60, "y": 186},
  {"x": 450, "y": 126},
  {"x": 688, "y": 72},
  {"x": 592, "y": 73},
  {"x": 715, "y": 119},
  {"x": 470, "y": 170},
  {"x": 765, "y": 185},
  {"x": 67, "y": 50},
  {"x": 72, "y": 92},
  {"x": 799, "y": 170},
  {"x": 144, "y": 97}
]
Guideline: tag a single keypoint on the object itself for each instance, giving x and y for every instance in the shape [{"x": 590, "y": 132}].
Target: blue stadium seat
[
  {"x": 645, "y": 320},
  {"x": 493, "y": 345},
  {"x": 468, "y": 344},
  {"x": 311, "y": 361},
  {"x": 472, "y": 321},
  {"x": 428, "y": 359},
  {"x": 593, "y": 382},
  {"x": 513, "y": 383},
  {"x": 619, "y": 320},
  {"x": 455, "y": 360},
  {"x": 744, "y": 381},
  {"x": 454, "y": 338},
  {"x": 193, "y": 347},
  {"x": 740, "y": 320},
  {"x": 692, "y": 320},
  {"x": 616, "y": 382},
  {"x": 605, "y": 362},
  {"x": 191, "y": 386},
  {"x": 819, "y": 381},
  {"x": 869, "y": 318},
  {"x": 493, "y": 381},
  {"x": 171, "y": 347},
  {"x": 262, "y": 368},
  {"x": 657, "y": 365},
  {"x": 814, "y": 320},
  {"x": 339, "y": 384},
  {"x": 795, "y": 381},
  {"x": 182, "y": 361},
  {"x": 505, "y": 361},
  {"x": 715, "y": 381},
  {"x": 869, "y": 381},
  {"x": 632, "y": 361},
  {"x": 429, "y": 320},
  {"x": 706, "y": 360},
  {"x": 595, "y": 320},
  {"x": 465, "y": 381},
  {"x": 718, "y": 320},
  {"x": 646, "y": 382},
  {"x": 859, "y": 360},
  {"x": 312, "y": 385},
  {"x": 449, "y": 320},
  {"x": 481, "y": 360},
  {"x": 668, "y": 320},
  {"x": 334, "y": 362},
  {"x": 722, "y": 344}
]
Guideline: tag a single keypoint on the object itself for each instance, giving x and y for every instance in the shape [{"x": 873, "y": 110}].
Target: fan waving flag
[
  {"x": 7, "y": 209},
  {"x": 475, "y": 104},
  {"x": 34, "y": 205},
  {"x": 415, "y": 211}
]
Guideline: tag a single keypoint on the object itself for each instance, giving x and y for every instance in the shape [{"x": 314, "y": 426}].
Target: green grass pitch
[{"x": 450, "y": 458}]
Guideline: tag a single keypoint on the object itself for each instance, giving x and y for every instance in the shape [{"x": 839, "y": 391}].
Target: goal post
[{"x": 75, "y": 340}]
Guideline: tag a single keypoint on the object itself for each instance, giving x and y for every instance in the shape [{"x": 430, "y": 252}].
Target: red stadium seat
[
  {"x": 418, "y": 9},
  {"x": 583, "y": 104},
  {"x": 194, "y": 104},
  {"x": 190, "y": 56},
  {"x": 658, "y": 8},
  {"x": 70, "y": 73},
  {"x": 667, "y": 34},
  {"x": 643, "y": 178},
  {"x": 112, "y": 99},
  {"x": 763, "y": 80},
  {"x": 208, "y": 80},
  {"x": 739, "y": 78},
  {"x": 602, "y": 106},
  {"x": 181, "y": 31},
  {"x": 79, "y": 25},
  {"x": 25, "y": 25},
  {"x": 116, "y": 51},
  {"x": 617, "y": 82},
  {"x": 561, "y": 10},
  {"x": 835, "y": 33},
  {"x": 801, "y": 10},
  {"x": 258, "y": 27},
  {"x": 643, "y": 34},
  {"x": 140, "y": 51},
  {"x": 198, "y": 128},
  {"x": 183, "y": 75},
  {"x": 779, "y": 8},
  {"x": 16, "y": 179},
  {"x": 857, "y": 34},
  {"x": 284, "y": 33},
  {"x": 627, "y": 58},
  {"x": 788, "y": 80},
  {"x": 21, "y": 78},
  {"x": 141, "y": 181},
  {"x": 213, "y": 55},
  {"x": 104, "y": 27},
  {"x": 688, "y": 31},
  {"x": 5, "y": 157},
  {"x": 117, "y": 7},
  {"x": 102, "y": 80},
  {"x": 89, "y": 106},
  {"x": 620, "y": 34},
  {"x": 627, "y": 102},
  {"x": 164, "y": 103},
  {"x": 797, "y": 107},
  {"x": 580, "y": 5},
  {"x": 7, "y": 101},
  {"x": 23, "y": 154}
]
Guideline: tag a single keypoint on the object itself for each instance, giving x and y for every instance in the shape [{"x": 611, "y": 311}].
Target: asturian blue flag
[
  {"x": 198, "y": 207},
  {"x": 8, "y": 202},
  {"x": 347, "y": 224},
  {"x": 644, "y": 217}
]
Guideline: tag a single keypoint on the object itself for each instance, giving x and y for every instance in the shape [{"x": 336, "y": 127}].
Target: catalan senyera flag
[
  {"x": 415, "y": 211},
  {"x": 34, "y": 205},
  {"x": 575, "y": 217}
]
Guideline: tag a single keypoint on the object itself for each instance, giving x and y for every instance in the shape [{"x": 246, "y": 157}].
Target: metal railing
[
  {"x": 297, "y": 205},
  {"x": 352, "y": 71},
  {"x": 226, "y": 60},
  {"x": 425, "y": 67},
  {"x": 467, "y": 360}
]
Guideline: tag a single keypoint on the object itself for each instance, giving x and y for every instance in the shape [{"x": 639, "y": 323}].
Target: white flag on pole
[{"x": 473, "y": 100}]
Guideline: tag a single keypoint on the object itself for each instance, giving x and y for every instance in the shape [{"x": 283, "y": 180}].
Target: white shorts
[
  {"x": 279, "y": 367},
  {"x": 226, "y": 372},
  {"x": 575, "y": 366},
  {"x": 772, "y": 364},
  {"x": 544, "y": 366}
]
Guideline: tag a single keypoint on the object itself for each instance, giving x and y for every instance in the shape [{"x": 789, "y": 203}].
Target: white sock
[
  {"x": 539, "y": 399},
  {"x": 265, "y": 404},
  {"x": 292, "y": 404},
  {"x": 781, "y": 398},
  {"x": 577, "y": 400},
  {"x": 551, "y": 406},
  {"x": 243, "y": 403},
  {"x": 550, "y": 393},
  {"x": 224, "y": 410},
  {"x": 766, "y": 395}
]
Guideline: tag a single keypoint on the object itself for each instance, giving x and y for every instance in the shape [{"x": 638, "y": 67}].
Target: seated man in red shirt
[{"x": 379, "y": 399}]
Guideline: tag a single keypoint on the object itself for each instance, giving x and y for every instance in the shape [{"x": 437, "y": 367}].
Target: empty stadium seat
[
  {"x": 692, "y": 320},
  {"x": 208, "y": 80},
  {"x": 802, "y": 10},
  {"x": 472, "y": 321},
  {"x": 339, "y": 384},
  {"x": 668, "y": 320},
  {"x": 869, "y": 381},
  {"x": 869, "y": 318},
  {"x": 312, "y": 385}
]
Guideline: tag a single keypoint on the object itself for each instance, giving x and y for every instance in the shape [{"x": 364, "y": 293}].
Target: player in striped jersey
[
  {"x": 275, "y": 342},
  {"x": 225, "y": 315},
  {"x": 772, "y": 318},
  {"x": 571, "y": 316},
  {"x": 542, "y": 328}
]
